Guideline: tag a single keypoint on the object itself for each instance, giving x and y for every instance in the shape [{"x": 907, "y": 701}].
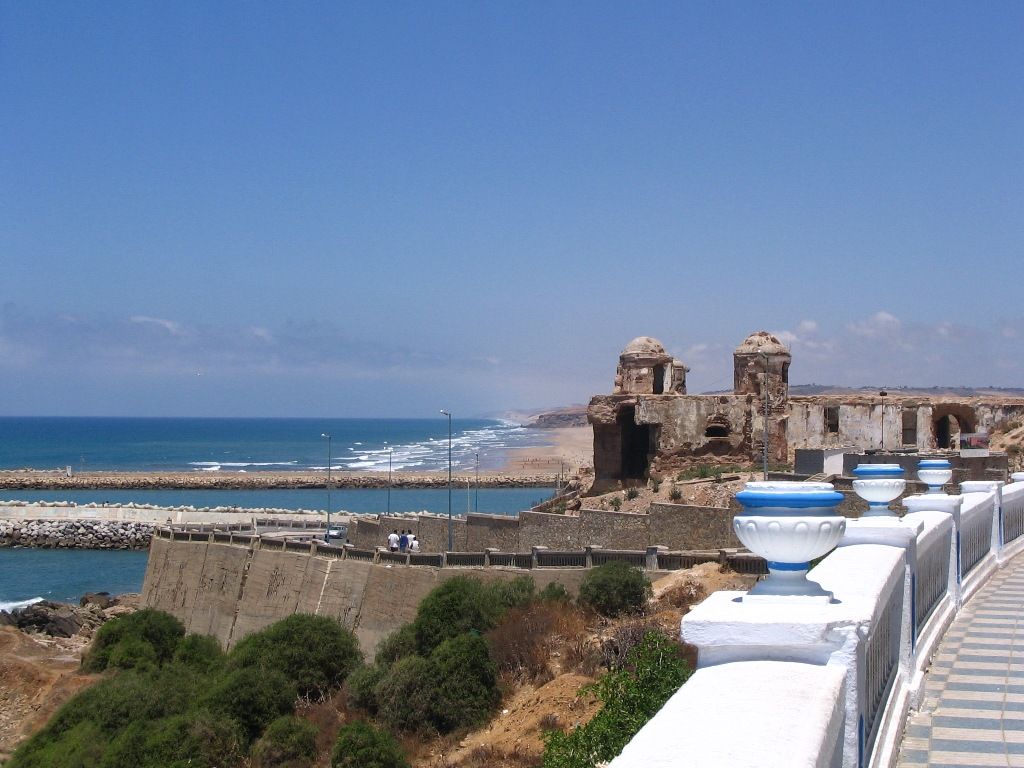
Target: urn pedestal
[
  {"x": 878, "y": 484},
  {"x": 789, "y": 524},
  {"x": 934, "y": 473}
]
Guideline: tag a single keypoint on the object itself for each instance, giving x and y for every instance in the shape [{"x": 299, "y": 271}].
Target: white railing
[
  {"x": 897, "y": 587},
  {"x": 1013, "y": 512}
]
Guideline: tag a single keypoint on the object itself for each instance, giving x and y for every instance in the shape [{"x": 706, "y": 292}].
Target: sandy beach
[{"x": 571, "y": 448}]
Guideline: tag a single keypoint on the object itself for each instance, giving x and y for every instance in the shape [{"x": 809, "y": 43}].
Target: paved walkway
[{"x": 973, "y": 708}]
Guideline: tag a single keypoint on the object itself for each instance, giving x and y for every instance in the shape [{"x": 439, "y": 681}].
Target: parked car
[{"x": 336, "y": 532}]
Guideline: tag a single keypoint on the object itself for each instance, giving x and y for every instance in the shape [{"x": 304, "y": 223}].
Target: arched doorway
[{"x": 948, "y": 421}]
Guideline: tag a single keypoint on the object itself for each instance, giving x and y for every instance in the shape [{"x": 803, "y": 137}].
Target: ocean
[
  {"x": 64, "y": 575},
  {"x": 240, "y": 445},
  {"x": 246, "y": 445}
]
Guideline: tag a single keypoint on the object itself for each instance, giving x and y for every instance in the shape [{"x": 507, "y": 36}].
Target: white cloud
[
  {"x": 878, "y": 324},
  {"x": 170, "y": 326}
]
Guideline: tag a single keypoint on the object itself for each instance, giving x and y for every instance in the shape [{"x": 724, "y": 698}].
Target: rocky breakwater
[
  {"x": 28, "y": 479},
  {"x": 75, "y": 534}
]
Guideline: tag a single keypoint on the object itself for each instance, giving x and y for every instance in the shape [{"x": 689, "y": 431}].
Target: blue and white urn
[
  {"x": 934, "y": 473},
  {"x": 789, "y": 524},
  {"x": 878, "y": 484}
]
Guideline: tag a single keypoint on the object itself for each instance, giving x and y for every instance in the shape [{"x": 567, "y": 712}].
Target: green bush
[
  {"x": 615, "y": 502},
  {"x": 397, "y": 645},
  {"x": 314, "y": 652},
  {"x": 674, "y": 494},
  {"x": 200, "y": 652},
  {"x": 554, "y": 592},
  {"x": 288, "y": 742},
  {"x": 360, "y": 745},
  {"x": 459, "y": 605},
  {"x": 361, "y": 686},
  {"x": 132, "y": 653},
  {"x": 512, "y": 594},
  {"x": 405, "y": 695},
  {"x": 615, "y": 588},
  {"x": 632, "y": 695},
  {"x": 155, "y": 628},
  {"x": 465, "y": 683},
  {"x": 81, "y": 746},
  {"x": 253, "y": 697},
  {"x": 196, "y": 739},
  {"x": 632, "y": 493}
]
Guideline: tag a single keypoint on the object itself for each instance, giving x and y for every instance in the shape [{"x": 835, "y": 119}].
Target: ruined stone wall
[
  {"x": 614, "y": 530},
  {"x": 433, "y": 533},
  {"x": 685, "y": 526},
  {"x": 684, "y": 420},
  {"x": 537, "y": 529},
  {"x": 365, "y": 533},
  {"x": 492, "y": 532}
]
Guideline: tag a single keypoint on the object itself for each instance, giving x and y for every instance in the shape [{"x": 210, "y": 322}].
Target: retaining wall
[{"x": 229, "y": 590}]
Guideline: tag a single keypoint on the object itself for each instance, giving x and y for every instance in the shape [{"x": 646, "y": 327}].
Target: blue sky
[{"x": 386, "y": 208}]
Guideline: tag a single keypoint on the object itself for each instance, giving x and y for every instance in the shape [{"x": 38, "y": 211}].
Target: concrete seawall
[{"x": 229, "y": 591}]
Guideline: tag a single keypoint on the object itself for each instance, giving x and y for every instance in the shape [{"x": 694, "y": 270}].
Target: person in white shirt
[
  {"x": 393, "y": 540},
  {"x": 414, "y": 544}
]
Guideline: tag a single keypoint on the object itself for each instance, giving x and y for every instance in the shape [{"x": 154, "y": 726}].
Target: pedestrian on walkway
[{"x": 393, "y": 540}]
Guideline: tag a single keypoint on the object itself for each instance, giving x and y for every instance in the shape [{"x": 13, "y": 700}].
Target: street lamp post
[
  {"x": 476, "y": 492},
  {"x": 391, "y": 452},
  {"x": 449, "y": 415},
  {"x": 764, "y": 448},
  {"x": 327, "y": 533}
]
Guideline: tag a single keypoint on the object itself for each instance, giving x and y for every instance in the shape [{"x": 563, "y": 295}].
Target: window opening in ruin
[
  {"x": 910, "y": 428},
  {"x": 832, "y": 419},
  {"x": 716, "y": 431},
  {"x": 947, "y": 432},
  {"x": 636, "y": 445},
  {"x": 659, "y": 380}
]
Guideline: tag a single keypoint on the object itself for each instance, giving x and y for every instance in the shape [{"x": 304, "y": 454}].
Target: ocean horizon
[{"x": 162, "y": 444}]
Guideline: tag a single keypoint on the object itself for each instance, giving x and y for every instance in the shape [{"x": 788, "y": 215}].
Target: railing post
[
  {"x": 652, "y": 556},
  {"x": 534, "y": 552}
]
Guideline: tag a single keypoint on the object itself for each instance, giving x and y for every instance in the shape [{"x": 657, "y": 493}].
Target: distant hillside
[
  {"x": 556, "y": 418},
  {"x": 806, "y": 390}
]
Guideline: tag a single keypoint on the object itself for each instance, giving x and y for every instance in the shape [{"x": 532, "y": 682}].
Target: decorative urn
[
  {"x": 789, "y": 524},
  {"x": 878, "y": 484},
  {"x": 934, "y": 473}
]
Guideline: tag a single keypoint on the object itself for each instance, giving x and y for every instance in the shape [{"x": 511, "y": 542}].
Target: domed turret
[
  {"x": 762, "y": 360},
  {"x": 645, "y": 368},
  {"x": 644, "y": 346},
  {"x": 762, "y": 342}
]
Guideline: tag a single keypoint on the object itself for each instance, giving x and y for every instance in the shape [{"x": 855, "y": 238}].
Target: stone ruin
[{"x": 649, "y": 423}]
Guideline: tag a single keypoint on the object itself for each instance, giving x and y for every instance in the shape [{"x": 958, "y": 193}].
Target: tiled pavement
[{"x": 973, "y": 708}]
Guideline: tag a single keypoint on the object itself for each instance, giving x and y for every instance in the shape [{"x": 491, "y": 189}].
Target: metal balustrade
[
  {"x": 422, "y": 558},
  {"x": 880, "y": 665},
  {"x": 296, "y": 545},
  {"x": 395, "y": 558},
  {"x": 602, "y": 556},
  {"x": 677, "y": 561},
  {"x": 1013, "y": 516},
  {"x": 747, "y": 563},
  {"x": 547, "y": 558},
  {"x": 465, "y": 559},
  {"x": 931, "y": 580},
  {"x": 976, "y": 536},
  {"x": 353, "y": 553}
]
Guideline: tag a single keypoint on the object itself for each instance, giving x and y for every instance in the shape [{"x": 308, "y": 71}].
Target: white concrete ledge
[{"x": 791, "y": 717}]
